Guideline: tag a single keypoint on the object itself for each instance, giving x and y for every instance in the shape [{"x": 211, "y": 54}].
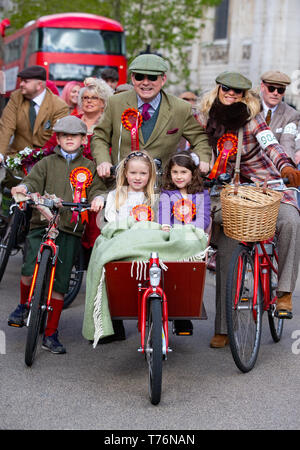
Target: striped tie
[{"x": 268, "y": 117}]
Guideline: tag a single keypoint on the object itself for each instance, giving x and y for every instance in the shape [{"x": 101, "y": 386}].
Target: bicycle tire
[
  {"x": 38, "y": 311},
  {"x": 154, "y": 350},
  {"x": 275, "y": 323},
  {"x": 75, "y": 279},
  {"x": 8, "y": 241},
  {"x": 244, "y": 323}
]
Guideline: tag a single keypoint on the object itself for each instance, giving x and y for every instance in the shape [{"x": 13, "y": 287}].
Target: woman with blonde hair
[{"x": 229, "y": 107}]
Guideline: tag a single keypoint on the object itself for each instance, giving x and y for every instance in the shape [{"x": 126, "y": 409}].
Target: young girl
[
  {"x": 183, "y": 199},
  {"x": 134, "y": 187}
]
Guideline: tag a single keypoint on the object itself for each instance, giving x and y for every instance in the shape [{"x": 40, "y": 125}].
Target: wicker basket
[{"x": 250, "y": 215}]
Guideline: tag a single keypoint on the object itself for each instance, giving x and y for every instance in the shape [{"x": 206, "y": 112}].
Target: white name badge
[
  {"x": 290, "y": 128},
  {"x": 266, "y": 138}
]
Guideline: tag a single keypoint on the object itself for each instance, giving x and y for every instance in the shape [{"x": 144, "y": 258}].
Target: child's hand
[
  {"x": 166, "y": 228},
  {"x": 97, "y": 204},
  {"x": 204, "y": 167}
]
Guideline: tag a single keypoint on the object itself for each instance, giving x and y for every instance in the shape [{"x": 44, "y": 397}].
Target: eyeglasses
[
  {"x": 280, "y": 90},
  {"x": 92, "y": 99},
  {"x": 227, "y": 89},
  {"x": 141, "y": 76}
]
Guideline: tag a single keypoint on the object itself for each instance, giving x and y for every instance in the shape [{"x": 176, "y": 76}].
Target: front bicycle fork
[{"x": 54, "y": 250}]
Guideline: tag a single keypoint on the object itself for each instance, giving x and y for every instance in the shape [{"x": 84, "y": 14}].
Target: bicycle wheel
[
  {"x": 154, "y": 349},
  {"x": 38, "y": 310},
  {"x": 244, "y": 321},
  {"x": 75, "y": 280},
  {"x": 275, "y": 324},
  {"x": 9, "y": 239}
]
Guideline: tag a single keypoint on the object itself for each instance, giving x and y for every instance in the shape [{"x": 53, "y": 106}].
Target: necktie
[
  {"x": 32, "y": 114},
  {"x": 145, "y": 113},
  {"x": 268, "y": 117},
  {"x": 69, "y": 159}
]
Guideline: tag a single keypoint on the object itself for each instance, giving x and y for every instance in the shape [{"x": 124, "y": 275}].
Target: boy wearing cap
[
  {"x": 166, "y": 119},
  {"x": 30, "y": 114},
  {"x": 280, "y": 117},
  {"x": 53, "y": 175}
]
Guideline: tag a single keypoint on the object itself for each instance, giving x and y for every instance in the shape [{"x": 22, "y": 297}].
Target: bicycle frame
[
  {"x": 145, "y": 293},
  {"x": 49, "y": 242},
  {"x": 262, "y": 271}
]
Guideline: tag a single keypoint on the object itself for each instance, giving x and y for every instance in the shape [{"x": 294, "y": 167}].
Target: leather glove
[{"x": 292, "y": 174}]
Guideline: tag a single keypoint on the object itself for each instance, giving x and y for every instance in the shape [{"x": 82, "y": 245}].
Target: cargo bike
[{"x": 163, "y": 295}]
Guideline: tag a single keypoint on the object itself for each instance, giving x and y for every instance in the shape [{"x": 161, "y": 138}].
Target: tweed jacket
[
  {"x": 15, "y": 123},
  {"x": 284, "y": 124},
  {"x": 52, "y": 175},
  {"x": 262, "y": 156},
  {"x": 175, "y": 120}
]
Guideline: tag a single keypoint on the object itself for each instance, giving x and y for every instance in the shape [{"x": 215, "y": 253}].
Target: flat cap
[
  {"x": 36, "y": 72},
  {"x": 71, "y": 125},
  {"x": 234, "y": 80},
  {"x": 149, "y": 64},
  {"x": 276, "y": 77}
]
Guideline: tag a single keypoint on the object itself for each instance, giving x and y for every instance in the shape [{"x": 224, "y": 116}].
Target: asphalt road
[{"x": 106, "y": 388}]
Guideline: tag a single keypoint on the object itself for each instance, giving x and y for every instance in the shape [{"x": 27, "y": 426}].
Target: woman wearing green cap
[{"x": 232, "y": 105}]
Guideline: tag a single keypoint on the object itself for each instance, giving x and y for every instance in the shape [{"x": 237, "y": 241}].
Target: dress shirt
[{"x": 154, "y": 104}]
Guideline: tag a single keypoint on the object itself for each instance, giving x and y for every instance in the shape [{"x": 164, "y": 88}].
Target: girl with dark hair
[{"x": 183, "y": 199}]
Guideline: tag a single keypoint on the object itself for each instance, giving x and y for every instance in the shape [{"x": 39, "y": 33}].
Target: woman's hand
[
  {"x": 97, "y": 204},
  {"x": 20, "y": 189}
]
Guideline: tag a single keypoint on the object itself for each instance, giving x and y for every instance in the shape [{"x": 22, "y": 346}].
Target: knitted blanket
[{"x": 129, "y": 240}]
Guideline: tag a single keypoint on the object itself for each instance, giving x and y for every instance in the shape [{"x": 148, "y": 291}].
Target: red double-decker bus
[{"x": 71, "y": 46}]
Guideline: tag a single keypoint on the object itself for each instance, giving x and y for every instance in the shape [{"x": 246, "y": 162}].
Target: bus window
[
  {"x": 13, "y": 50},
  {"x": 76, "y": 72},
  {"x": 68, "y": 40},
  {"x": 33, "y": 46}
]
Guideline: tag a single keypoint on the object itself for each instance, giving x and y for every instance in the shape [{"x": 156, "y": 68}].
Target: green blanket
[{"x": 129, "y": 240}]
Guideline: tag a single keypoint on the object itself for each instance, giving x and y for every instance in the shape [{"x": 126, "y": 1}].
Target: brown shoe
[
  {"x": 219, "y": 341},
  {"x": 284, "y": 306}
]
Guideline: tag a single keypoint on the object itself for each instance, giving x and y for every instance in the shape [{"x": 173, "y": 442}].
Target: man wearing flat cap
[
  {"x": 166, "y": 119},
  {"x": 30, "y": 114},
  {"x": 280, "y": 117}
]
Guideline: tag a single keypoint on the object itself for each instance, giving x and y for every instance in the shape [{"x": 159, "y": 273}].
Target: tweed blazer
[
  {"x": 175, "y": 119},
  {"x": 284, "y": 124},
  {"x": 15, "y": 123}
]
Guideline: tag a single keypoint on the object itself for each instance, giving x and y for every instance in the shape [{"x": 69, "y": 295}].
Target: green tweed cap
[
  {"x": 234, "y": 80},
  {"x": 148, "y": 64}
]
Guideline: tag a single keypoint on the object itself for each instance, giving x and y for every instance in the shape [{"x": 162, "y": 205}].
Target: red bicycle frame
[
  {"x": 142, "y": 310},
  {"x": 50, "y": 244},
  {"x": 262, "y": 271}
]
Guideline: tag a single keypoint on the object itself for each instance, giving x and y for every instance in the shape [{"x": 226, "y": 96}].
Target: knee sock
[
  {"x": 54, "y": 316},
  {"x": 24, "y": 292}
]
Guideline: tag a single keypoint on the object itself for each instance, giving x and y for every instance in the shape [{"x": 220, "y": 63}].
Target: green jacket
[
  {"x": 175, "y": 120},
  {"x": 52, "y": 175}
]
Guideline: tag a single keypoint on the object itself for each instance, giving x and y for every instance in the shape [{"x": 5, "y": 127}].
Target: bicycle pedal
[
  {"x": 15, "y": 325},
  {"x": 183, "y": 333},
  {"x": 283, "y": 314}
]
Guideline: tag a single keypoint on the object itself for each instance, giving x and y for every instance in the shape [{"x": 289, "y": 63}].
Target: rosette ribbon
[
  {"x": 184, "y": 210},
  {"x": 143, "y": 213},
  {"x": 132, "y": 120},
  {"x": 81, "y": 178},
  {"x": 227, "y": 146}
]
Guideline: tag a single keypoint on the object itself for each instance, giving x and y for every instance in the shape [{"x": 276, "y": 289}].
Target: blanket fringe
[
  {"x": 97, "y": 314},
  {"x": 141, "y": 266}
]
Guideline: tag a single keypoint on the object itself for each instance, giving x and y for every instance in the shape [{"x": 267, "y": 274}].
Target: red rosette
[
  {"x": 143, "y": 213},
  {"x": 130, "y": 118},
  {"x": 227, "y": 146},
  {"x": 184, "y": 210},
  {"x": 81, "y": 178}
]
